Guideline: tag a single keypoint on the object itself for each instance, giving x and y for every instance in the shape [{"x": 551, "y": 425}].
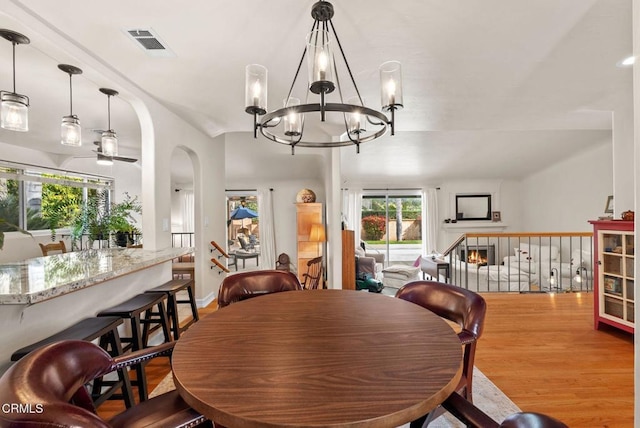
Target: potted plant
[
  {"x": 100, "y": 220},
  {"x": 120, "y": 219},
  {"x": 90, "y": 220}
]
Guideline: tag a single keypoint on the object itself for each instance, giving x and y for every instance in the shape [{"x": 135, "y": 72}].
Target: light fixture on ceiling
[
  {"x": 103, "y": 159},
  {"x": 70, "y": 130},
  {"x": 109, "y": 138},
  {"x": 15, "y": 107},
  {"x": 323, "y": 80}
]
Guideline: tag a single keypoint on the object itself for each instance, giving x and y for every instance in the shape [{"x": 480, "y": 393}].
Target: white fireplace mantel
[{"x": 475, "y": 226}]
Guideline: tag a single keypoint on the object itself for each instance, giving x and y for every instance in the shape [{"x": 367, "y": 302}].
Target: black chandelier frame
[{"x": 322, "y": 12}]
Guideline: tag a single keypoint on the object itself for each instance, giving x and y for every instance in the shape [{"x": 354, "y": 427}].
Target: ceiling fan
[{"x": 107, "y": 160}]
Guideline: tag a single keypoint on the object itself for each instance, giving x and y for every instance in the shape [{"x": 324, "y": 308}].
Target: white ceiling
[{"x": 492, "y": 88}]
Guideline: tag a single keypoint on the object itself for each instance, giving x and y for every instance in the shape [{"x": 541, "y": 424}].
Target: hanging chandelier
[
  {"x": 14, "y": 107},
  {"x": 286, "y": 125}
]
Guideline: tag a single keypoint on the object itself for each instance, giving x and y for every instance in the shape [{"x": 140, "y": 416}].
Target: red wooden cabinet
[{"x": 614, "y": 282}]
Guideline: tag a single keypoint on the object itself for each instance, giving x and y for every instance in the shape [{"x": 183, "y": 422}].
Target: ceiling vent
[{"x": 148, "y": 40}]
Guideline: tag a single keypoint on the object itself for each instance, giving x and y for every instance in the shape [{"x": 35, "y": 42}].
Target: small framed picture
[
  {"x": 608, "y": 208},
  {"x": 495, "y": 216}
]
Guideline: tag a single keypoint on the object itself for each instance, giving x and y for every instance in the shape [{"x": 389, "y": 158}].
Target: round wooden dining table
[{"x": 317, "y": 358}]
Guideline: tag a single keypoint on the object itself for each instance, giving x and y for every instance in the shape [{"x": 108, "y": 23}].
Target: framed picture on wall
[
  {"x": 608, "y": 208},
  {"x": 495, "y": 216}
]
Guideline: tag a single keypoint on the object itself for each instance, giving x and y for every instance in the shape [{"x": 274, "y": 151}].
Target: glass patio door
[{"x": 392, "y": 224}]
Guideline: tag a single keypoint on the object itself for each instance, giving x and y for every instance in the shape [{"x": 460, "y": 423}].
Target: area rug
[{"x": 486, "y": 396}]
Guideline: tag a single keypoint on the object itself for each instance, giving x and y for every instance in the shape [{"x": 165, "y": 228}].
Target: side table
[{"x": 434, "y": 268}]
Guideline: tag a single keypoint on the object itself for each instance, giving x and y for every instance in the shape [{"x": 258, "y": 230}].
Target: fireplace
[{"x": 478, "y": 254}]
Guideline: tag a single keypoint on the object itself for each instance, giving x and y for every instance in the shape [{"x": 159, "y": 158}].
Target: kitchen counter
[{"x": 42, "y": 278}]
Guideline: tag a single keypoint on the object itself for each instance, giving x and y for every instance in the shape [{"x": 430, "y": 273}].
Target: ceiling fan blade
[{"x": 124, "y": 159}]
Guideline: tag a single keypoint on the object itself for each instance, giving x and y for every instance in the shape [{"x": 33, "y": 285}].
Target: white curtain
[
  {"x": 430, "y": 221},
  {"x": 188, "y": 211},
  {"x": 267, "y": 229},
  {"x": 352, "y": 211}
]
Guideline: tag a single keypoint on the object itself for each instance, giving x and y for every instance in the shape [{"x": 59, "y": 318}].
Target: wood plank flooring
[{"x": 543, "y": 352}]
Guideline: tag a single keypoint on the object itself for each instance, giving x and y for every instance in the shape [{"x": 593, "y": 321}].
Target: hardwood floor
[{"x": 543, "y": 352}]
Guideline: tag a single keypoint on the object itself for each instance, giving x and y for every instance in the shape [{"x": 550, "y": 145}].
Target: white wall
[
  {"x": 505, "y": 197},
  {"x": 566, "y": 195}
]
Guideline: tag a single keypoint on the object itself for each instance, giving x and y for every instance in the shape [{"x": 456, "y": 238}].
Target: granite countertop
[{"x": 42, "y": 278}]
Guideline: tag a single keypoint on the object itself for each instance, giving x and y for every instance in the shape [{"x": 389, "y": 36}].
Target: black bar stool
[
  {"x": 89, "y": 329},
  {"x": 171, "y": 289},
  {"x": 132, "y": 310}
]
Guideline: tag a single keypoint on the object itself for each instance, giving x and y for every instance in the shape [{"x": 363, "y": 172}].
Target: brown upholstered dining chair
[
  {"x": 48, "y": 249},
  {"x": 244, "y": 285},
  {"x": 463, "y": 307},
  {"x": 52, "y": 381},
  {"x": 313, "y": 277},
  {"x": 472, "y": 416}
]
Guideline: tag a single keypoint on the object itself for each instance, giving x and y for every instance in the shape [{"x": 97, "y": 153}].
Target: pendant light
[
  {"x": 14, "y": 107},
  {"x": 109, "y": 137},
  {"x": 71, "y": 132}
]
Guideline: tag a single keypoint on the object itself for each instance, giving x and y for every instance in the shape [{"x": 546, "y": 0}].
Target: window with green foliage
[
  {"x": 9, "y": 204},
  {"x": 36, "y": 198}
]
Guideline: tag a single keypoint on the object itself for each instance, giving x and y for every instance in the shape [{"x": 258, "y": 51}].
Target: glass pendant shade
[
  {"x": 320, "y": 62},
  {"x": 14, "y": 112},
  {"x": 104, "y": 160},
  {"x": 391, "y": 85},
  {"x": 109, "y": 143},
  {"x": 71, "y": 132},
  {"x": 255, "y": 89},
  {"x": 356, "y": 122},
  {"x": 293, "y": 121}
]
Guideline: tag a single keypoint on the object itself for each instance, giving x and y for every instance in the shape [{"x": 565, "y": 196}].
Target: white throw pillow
[
  {"x": 522, "y": 255},
  {"x": 581, "y": 258},
  {"x": 543, "y": 253}
]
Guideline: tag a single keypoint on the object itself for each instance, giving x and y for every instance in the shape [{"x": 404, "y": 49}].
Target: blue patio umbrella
[{"x": 241, "y": 213}]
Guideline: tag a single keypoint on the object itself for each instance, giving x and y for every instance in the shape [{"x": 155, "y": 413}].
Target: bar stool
[
  {"x": 90, "y": 329},
  {"x": 171, "y": 289},
  {"x": 132, "y": 311}
]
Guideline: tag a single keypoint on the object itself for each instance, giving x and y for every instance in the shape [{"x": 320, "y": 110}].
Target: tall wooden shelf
[
  {"x": 306, "y": 215},
  {"x": 614, "y": 285}
]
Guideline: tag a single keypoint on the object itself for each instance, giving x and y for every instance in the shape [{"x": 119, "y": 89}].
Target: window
[
  {"x": 391, "y": 223},
  {"x": 37, "y": 198}
]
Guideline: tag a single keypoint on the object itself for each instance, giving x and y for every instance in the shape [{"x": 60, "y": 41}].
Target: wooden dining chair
[
  {"x": 466, "y": 412},
  {"x": 54, "y": 247},
  {"x": 245, "y": 285},
  {"x": 461, "y": 306},
  {"x": 54, "y": 378},
  {"x": 313, "y": 277}
]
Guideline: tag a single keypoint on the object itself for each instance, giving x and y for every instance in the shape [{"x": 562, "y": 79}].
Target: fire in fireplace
[{"x": 478, "y": 254}]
